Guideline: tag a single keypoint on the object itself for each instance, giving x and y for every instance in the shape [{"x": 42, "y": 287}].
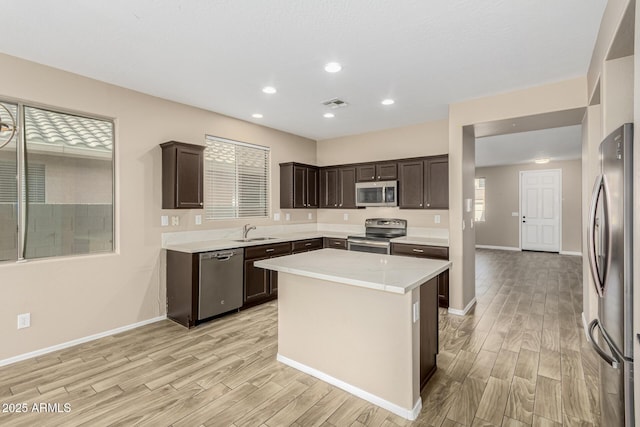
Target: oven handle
[{"x": 368, "y": 243}]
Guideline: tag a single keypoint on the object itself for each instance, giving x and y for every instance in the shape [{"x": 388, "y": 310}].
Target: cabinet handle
[
  {"x": 307, "y": 244},
  {"x": 335, "y": 205},
  {"x": 340, "y": 204},
  {"x": 420, "y": 204},
  {"x": 200, "y": 203},
  {"x": 337, "y": 243},
  {"x": 418, "y": 250},
  {"x": 270, "y": 250},
  {"x": 428, "y": 204},
  {"x": 378, "y": 176}
]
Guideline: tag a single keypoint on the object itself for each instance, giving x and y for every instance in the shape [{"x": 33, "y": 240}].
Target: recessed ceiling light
[
  {"x": 269, "y": 89},
  {"x": 387, "y": 101},
  {"x": 542, "y": 161},
  {"x": 328, "y": 115},
  {"x": 256, "y": 116},
  {"x": 332, "y": 67}
]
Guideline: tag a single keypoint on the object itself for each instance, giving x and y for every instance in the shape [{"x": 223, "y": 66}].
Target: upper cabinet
[
  {"x": 385, "y": 171},
  {"x": 182, "y": 175},
  {"x": 298, "y": 186},
  {"x": 338, "y": 187},
  {"x": 424, "y": 183}
]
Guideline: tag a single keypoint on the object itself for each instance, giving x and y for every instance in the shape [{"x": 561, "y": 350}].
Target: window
[
  {"x": 236, "y": 178},
  {"x": 480, "y": 200},
  {"x": 64, "y": 164}
]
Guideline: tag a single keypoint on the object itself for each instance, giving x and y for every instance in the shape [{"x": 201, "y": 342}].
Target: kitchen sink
[{"x": 254, "y": 239}]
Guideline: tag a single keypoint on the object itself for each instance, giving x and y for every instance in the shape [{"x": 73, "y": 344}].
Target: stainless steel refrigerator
[{"x": 611, "y": 262}]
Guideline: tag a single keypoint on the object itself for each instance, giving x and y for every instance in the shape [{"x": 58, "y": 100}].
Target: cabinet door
[
  {"x": 299, "y": 187},
  {"x": 256, "y": 282},
  {"x": 387, "y": 171},
  {"x": 329, "y": 188},
  {"x": 428, "y": 330},
  {"x": 436, "y": 178},
  {"x": 366, "y": 172},
  {"x": 312, "y": 187},
  {"x": 347, "y": 188},
  {"x": 411, "y": 184},
  {"x": 188, "y": 178}
]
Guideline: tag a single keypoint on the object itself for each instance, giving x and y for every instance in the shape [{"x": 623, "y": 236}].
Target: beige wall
[
  {"x": 549, "y": 98},
  {"x": 363, "y": 337},
  {"x": 425, "y": 139},
  {"x": 76, "y": 297},
  {"x": 503, "y": 197}
]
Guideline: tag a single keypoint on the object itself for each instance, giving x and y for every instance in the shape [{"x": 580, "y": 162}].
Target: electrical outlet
[
  {"x": 310, "y": 215},
  {"x": 164, "y": 220},
  {"x": 276, "y": 216},
  {"x": 198, "y": 219},
  {"x": 287, "y": 217},
  {"x": 436, "y": 219},
  {"x": 24, "y": 320},
  {"x": 345, "y": 217},
  {"x": 175, "y": 220}
]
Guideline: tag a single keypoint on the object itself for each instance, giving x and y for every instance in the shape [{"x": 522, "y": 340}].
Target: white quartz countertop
[
  {"x": 394, "y": 274},
  {"x": 221, "y": 244}
]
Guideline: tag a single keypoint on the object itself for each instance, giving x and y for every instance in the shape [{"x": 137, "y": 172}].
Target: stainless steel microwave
[{"x": 377, "y": 193}]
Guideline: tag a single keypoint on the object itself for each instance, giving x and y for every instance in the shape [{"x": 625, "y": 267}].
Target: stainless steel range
[{"x": 378, "y": 235}]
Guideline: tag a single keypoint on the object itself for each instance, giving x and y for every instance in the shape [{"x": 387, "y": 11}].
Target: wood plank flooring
[{"x": 518, "y": 359}]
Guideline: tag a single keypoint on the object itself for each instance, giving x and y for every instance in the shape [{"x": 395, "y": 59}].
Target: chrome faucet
[{"x": 246, "y": 229}]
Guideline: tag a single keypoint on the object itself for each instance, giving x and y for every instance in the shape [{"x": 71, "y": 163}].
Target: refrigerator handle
[
  {"x": 591, "y": 245},
  {"x": 611, "y": 361}
]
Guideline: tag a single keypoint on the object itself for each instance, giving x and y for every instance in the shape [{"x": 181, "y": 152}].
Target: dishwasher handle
[{"x": 220, "y": 256}]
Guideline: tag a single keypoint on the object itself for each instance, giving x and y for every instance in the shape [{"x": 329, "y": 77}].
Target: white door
[{"x": 540, "y": 195}]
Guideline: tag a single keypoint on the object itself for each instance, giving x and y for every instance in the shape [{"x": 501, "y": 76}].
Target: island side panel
[{"x": 361, "y": 336}]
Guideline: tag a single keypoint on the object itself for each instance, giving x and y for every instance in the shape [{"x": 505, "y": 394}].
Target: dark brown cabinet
[
  {"x": 261, "y": 285},
  {"x": 424, "y": 251},
  {"x": 182, "y": 175},
  {"x": 338, "y": 187},
  {"x": 428, "y": 330},
  {"x": 306, "y": 245},
  {"x": 424, "y": 183},
  {"x": 377, "y": 172},
  {"x": 182, "y": 287},
  {"x": 332, "y": 242},
  {"x": 298, "y": 186}
]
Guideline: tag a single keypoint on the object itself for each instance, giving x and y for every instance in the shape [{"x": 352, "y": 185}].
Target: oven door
[{"x": 369, "y": 246}]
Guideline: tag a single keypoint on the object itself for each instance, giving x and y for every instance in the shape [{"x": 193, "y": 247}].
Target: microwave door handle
[
  {"x": 610, "y": 360},
  {"x": 591, "y": 246}
]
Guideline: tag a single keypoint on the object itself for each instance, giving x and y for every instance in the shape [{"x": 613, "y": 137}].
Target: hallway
[{"x": 521, "y": 357}]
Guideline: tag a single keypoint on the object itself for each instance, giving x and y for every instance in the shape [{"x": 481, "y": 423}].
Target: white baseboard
[
  {"x": 585, "y": 327},
  {"x": 574, "y": 253},
  {"x": 464, "y": 311},
  {"x": 409, "y": 414},
  {"x": 82, "y": 340},
  {"x": 500, "y": 248}
]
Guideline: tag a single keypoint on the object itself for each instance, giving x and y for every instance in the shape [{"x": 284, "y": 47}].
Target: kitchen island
[{"x": 367, "y": 323}]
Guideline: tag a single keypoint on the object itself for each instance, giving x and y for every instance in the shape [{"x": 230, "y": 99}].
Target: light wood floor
[{"x": 520, "y": 358}]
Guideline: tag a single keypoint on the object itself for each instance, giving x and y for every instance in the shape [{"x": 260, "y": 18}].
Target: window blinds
[
  {"x": 236, "y": 179},
  {"x": 35, "y": 183}
]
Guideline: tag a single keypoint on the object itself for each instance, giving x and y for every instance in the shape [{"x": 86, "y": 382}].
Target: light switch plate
[
  {"x": 164, "y": 220},
  {"x": 436, "y": 219},
  {"x": 515, "y": 213},
  {"x": 24, "y": 320},
  {"x": 287, "y": 217},
  {"x": 276, "y": 216},
  {"x": 309, "y": 215},
  {"x": 198, "y": 219}
]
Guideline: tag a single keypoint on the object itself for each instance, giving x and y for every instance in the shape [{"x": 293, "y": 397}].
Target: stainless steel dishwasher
[{"x": 220, "y": 282}]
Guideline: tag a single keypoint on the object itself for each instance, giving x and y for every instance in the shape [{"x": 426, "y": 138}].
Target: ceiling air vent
[{"x": 335, "y": 103}]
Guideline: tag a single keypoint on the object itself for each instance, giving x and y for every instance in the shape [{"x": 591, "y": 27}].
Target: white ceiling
[
  {"x": 563, "y": 143},
  {"x": 218, "y": 54}
]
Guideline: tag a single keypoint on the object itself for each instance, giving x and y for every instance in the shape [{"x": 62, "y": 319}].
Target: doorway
[{"x": 541, "y": 210}]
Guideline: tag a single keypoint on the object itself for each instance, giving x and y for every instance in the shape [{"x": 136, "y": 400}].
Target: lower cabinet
[
  {"x": 306, "y": 245},
  {"x": 334, "y": 243},
  {"x": 182, "y": 287},
  {"x": 423, "y": 251},
  {"x": 428, "y": 330},
  {"x": 261, "y": 285}
]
